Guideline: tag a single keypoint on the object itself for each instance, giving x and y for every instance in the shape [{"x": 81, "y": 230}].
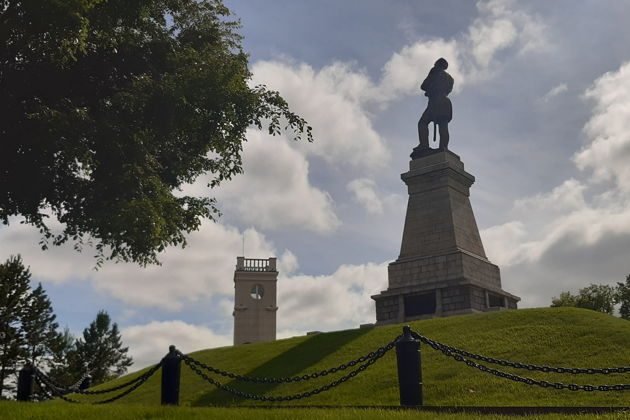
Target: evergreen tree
[
  {"x": 28, "y": 331},
  {"x": 61, "y": 349},
  {"x": 14, "y": 293},
  {"x": 39, "y": 327},
  {"x": 101, "y": 348}
]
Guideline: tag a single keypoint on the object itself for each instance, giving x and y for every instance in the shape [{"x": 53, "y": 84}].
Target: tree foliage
[
  {"x": 109, "y": 107},
  {"x": 14, "y": 288},
  {"x": 597, "y": 297},
  {"x": 100, "y": 349},
  {"x": 39, "y": 326},
  {"x": 623, "y": 297},
  {"x": 28, "y": 331}
]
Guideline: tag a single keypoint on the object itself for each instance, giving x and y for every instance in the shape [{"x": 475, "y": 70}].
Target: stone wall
[{"x": 443, "y": 270}]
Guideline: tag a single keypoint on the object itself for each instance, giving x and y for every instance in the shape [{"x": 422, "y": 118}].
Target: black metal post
[
  {"x": 26, "y": 381},
  {"x": 170, "y": 377},
  {"x": 409, "y": 369},
  {"x": 86, "y": 382},
  {"x": 87, "y": 378}
]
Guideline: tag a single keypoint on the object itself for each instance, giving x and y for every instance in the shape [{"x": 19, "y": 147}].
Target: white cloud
[
  {"x": 608, "y": 152},
  {"x": 329, "y": 302},
  {"x": 501, "y": 25},
  {"x": 287, "y": 263},
  {"x": 364, "y": 193},
  {"x": 203, "y": 269},
  {"x": 332, "y": 100},
  {"x": 567, "y": 196},
  {"x": 555, "y": 91},
  {"x": 576, "y": 234},
  {"x": 274, "y": 191},
  {"x": 488, "y": 37},
  {"x": 150, "y": 342},
  {"x": 405, "y": 70},
  {"x": 499, "y": 242},
  {"x": 56, "y": 265}
]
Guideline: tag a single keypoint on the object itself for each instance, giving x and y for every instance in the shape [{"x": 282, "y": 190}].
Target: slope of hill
[{"x": 566, "y": 337}]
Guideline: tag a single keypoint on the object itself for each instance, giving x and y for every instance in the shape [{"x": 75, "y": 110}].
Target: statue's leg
[
  {"x": 423, "y": 131},
  {"x": 444, "y": 136}
]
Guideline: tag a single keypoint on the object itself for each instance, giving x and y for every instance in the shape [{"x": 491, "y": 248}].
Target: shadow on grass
[{"x": 287, "y": 364}]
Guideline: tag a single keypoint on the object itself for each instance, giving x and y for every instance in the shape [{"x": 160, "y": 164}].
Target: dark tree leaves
[{"x": 110, "y": 106}]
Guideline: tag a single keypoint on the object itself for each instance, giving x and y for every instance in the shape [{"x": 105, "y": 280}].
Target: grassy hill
[{"x": 566, "y": 337}]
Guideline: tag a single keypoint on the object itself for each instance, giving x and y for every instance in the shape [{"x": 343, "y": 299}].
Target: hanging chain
[
  {"x": 137, "y": 382},
  {"x": 368, "y": 361},
  {"x": 458, "y": 355},
  {"x": 66, "y": 389},
  {"x": 574, "y": 371},
  {"x": 530, "y": 381},
  {"x": 70, "y": 390},
  {"x": 307, "y": 377}
]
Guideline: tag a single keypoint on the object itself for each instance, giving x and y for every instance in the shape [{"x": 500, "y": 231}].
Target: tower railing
[{"x": 255, "y": 264}]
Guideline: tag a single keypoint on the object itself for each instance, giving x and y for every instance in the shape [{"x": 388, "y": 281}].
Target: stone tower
[
  {"x": 255, "y": 300},
  {"x": 442, "y": 269}
]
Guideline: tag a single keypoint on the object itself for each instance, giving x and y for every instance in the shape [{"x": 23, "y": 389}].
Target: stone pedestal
[{"x": 442, "y": 269}]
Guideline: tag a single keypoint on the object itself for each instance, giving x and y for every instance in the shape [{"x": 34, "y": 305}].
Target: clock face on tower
[{"x": 257, "y": 292}]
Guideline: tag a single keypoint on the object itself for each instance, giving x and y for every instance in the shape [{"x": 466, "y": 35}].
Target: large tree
[{"x": 110, "y": 106}]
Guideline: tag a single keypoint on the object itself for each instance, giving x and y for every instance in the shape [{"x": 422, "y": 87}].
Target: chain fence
[
  {"x": 363, "y": 363},
  {"x": 51, "y": 389},
  {"x": 76, "y": 387},
  {"x": 409, "y": 375},
  {"x": 465, "y": 357}
]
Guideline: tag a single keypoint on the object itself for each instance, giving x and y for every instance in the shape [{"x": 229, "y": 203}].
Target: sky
[{"x": 541, "y": 110}]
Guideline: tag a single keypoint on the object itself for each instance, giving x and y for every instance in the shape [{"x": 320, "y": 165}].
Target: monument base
[
  {"x": 455, "y": 283},
  {"x": 395, "y": 306},
  {"x": 442, "y": 269}
]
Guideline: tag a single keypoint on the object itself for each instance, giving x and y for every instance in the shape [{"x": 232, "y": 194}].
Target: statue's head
[{"x": 441, "y": 64}]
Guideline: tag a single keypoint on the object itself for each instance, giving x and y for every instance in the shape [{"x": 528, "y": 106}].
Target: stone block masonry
[{"x": 442, "y": 269}]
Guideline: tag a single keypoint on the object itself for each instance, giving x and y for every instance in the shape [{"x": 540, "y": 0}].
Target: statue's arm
[
  {"x": 451, "y": 82},
  {"x": 426, "y": 84}
]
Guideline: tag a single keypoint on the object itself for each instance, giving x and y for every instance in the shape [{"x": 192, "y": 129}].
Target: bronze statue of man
[{"x": 436, "y": 87}]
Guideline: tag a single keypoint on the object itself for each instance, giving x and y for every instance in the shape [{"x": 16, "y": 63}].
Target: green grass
[
  {"x": 567, "y": 337},
  {"x": 46, "y": 411}
]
